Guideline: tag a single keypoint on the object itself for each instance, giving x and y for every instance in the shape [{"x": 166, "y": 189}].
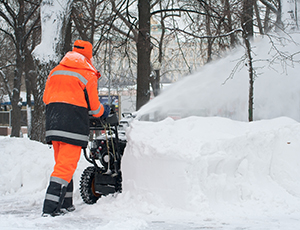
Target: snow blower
[{"x": 105, "y": 152}]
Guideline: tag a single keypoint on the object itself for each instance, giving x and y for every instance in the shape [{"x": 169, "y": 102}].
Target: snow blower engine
[{"x": 104, "y": 153}]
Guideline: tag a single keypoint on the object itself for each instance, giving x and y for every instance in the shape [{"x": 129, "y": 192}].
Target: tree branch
[
  {"x": 34, "y": 25},
  {"x": 183, "y": 10},
  {"x": 7, "y": 19},
  {"x": 202, "y": 37},
  {"x": 10, "y": 11},
  {"x": 31, "y": 13},
  {"x": 269, "y": 5},
  {"x": 9, "y": 34}
]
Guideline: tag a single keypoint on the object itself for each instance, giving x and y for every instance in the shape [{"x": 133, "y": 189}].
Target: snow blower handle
[
  {"x": 112, "y": 117},
  {"x": 107, "y": 111},
  {"x": 112, "y": 109}
]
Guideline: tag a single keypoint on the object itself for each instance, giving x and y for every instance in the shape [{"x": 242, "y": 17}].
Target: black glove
[{"x": 106, "y": 111}]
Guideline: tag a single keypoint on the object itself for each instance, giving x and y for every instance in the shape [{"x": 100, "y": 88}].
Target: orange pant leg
[{"x": 66, "y": 158}]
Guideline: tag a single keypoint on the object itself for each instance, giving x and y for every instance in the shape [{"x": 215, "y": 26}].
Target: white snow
[
  {"x": 53, "y": 14},
  {"x": 198, "y": 172}
]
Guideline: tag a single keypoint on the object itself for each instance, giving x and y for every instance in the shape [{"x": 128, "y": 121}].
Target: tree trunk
[
  {"x": 267, "y": 20},
  {"x": 143, "y": 53},
  {"x": 247, "y": 17},
  {"x": 68, "y": 38},
  {"x": 60, "y": 16},
  {"x": 251, "y": 77},
  {"x": 16, "y": 101},
  {"x": 208, "y": 32},
  {"x": 155, "y": 81},
  {"x": 229, "y": 24},
  {"x": 38, "y": 115},
  {"x": 247, "y": 25},
  {"x": 279, "y": 23},
  {"x": 257, "y": 13},
  {"x": 29, "y": 82},
  {"x": 296, "y": 15}
]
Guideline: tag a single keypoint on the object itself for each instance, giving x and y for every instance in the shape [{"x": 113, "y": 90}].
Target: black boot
[
  {"x": 68, "y": 201},
  {"x": 54, "y": 197}
]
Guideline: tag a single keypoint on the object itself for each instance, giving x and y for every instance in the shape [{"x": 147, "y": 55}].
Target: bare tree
[
  {"x": 118, "y": 27},
  {"x": 107, "y": 24},
  {"x": 7, "y": 64},
  {"x": 87, "y": 17},
  {"x": 20, "y": 21},
  {"x": 275, "y": 7}
]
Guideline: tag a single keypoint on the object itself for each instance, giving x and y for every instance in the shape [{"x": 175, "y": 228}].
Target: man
[{"x": 70, "y": 96}]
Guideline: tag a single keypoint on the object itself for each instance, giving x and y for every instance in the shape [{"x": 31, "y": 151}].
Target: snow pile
[
  {"x": 216, "y": 163},
  {"x": 24, "y": 165}
]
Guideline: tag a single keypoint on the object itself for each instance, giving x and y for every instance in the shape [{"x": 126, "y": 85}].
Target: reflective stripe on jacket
[{"x": 70, "y": 94}]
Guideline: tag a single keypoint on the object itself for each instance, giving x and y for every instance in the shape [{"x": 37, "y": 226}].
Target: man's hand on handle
[{"x": 106, "y": 111}]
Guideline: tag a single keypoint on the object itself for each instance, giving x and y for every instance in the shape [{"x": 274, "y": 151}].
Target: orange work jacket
[{"x": 70, "y": 96}]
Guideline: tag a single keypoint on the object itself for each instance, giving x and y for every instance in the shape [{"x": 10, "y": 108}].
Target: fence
[{"x": 5, "y": 118}]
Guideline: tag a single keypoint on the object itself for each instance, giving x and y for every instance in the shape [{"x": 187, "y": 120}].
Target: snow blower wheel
[{"x": 87, "y": 189}]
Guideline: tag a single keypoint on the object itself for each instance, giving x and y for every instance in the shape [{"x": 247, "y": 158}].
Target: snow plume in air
[{"x": 221, "y": 88}]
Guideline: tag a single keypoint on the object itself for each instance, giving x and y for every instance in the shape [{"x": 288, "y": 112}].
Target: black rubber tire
[{"x": 86, "y": 188}]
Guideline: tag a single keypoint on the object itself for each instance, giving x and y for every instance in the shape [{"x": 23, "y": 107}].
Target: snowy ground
[
  {"x": 194, "y": 173},
  {"x": 199, "y": 172}
]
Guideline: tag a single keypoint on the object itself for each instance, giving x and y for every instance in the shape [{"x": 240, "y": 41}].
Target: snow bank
[
  {"x": 217, "y": 164},
  {"x": 25, "y": 165}
]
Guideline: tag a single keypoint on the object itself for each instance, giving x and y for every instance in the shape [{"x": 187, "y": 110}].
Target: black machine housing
[{"x": 105, "y": 153}]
